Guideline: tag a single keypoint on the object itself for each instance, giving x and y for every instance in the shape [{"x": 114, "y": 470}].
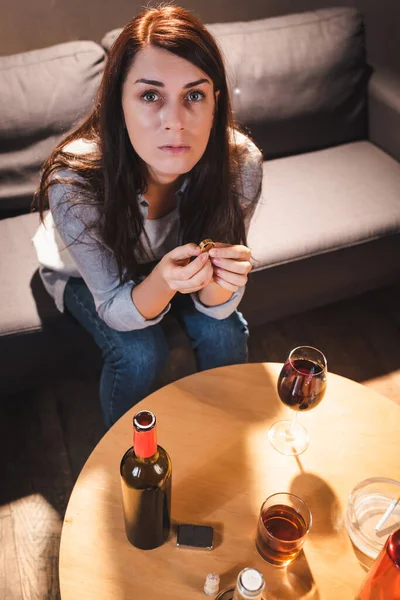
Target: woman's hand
[
  {"x": 231, "y": 265},
  {"x": 181, "y": 275}
]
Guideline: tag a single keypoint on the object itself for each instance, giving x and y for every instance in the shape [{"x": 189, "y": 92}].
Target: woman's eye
[
  {"x": 149, "y": 97},
  {"x": 196, "y": 96}
]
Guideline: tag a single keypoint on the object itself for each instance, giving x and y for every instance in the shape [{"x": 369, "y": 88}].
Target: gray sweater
[{"x": 66, "y": 250}]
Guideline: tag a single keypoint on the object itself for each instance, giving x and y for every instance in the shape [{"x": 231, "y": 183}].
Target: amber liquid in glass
[{"x": 280, "y": 534}]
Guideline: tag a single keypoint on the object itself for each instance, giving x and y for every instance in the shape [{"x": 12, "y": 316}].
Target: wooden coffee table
[{"x": 214, "y": 425}]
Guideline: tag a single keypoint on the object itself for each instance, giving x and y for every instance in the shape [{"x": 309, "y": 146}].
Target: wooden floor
[{"x": 46, "y": 435}]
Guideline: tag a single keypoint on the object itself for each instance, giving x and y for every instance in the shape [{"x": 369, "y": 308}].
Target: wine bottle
[
  {"x": 146, "y": 471},
  {"x": 383, "y": 579}
]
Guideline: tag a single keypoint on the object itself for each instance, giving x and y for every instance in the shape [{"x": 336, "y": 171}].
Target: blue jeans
[{"x": 133, "y": 360}]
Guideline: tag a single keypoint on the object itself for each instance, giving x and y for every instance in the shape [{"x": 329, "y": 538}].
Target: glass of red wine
[{"x": 301, "y": 387}]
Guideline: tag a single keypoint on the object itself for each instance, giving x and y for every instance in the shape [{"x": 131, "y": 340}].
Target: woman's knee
[
  {"x": 232, "y": 330},
  {"x": 130, "y": 371},
  {"x": 223, "y": 343},
  {"x": 139, "y": 353}
]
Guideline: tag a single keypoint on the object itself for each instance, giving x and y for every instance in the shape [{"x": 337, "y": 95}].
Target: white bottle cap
[
  {"x": 252, "y": 580},
  {"x": 211, "y": 585}
]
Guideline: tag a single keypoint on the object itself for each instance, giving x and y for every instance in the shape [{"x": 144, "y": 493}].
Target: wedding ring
[{"x": 206, "y": 245}]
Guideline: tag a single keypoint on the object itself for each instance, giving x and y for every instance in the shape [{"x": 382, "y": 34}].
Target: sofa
[{"x": 327, "y": 224}]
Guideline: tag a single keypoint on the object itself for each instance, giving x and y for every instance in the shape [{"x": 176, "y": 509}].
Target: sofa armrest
[{"x": 384, "y": 112}]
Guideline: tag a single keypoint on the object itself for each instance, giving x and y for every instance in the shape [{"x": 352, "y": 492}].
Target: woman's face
[{"x": 168, "y": 106}]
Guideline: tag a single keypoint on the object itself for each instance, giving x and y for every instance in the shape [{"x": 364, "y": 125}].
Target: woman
[{"x": 156, "y": 168}]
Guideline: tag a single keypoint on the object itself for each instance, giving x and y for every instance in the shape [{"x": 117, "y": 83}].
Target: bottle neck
[
  {"x": 145, "y": 442},
  {"x": 249, "y": 586}
]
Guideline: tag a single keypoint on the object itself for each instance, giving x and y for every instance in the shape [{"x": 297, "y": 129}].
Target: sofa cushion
[
  {"x": 324, "y": 200},
  {"x": 43, "y": 93},
  {"x": 110, "y": 37},
  {"x": 20, "y": 301},
  {"x": 37, "y": 340},
  {"x": 298, "y": 81}
]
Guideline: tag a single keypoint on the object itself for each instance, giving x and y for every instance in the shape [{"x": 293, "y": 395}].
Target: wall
[{"x": 29, "y": 24}]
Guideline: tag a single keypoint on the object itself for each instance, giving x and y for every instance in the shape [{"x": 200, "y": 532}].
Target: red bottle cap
[{"x": 144, "y": 434}]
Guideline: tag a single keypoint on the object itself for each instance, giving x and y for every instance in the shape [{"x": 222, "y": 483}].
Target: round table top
[{"x": 214, "y": 425}]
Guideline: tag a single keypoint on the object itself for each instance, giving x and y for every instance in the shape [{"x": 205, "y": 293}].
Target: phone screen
[{"x": 195, "y": 536}]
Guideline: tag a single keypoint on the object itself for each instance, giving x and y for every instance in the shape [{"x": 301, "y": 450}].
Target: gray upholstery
[
  {"x": 327, "y": 227},
  {"x": 328, "y": 222},
  {"x": 311, "y": 203},
  {"x": 109, "y": 38},
  {"x": 296, "y": 286},
  {"x": 43, "y": 93},
  {"x": 20, "y": 308},
  {"x": 384, "y": 112},
  {"x": 322, "y": 201},
  {"x": 34, "y": 337},
  {"x": 299, "y": 82},
  {"x": 321, "y": 191}
]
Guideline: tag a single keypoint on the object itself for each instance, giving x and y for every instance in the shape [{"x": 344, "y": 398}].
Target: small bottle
[
  {"x": 211, "y": 585},
  {"x": 383, "y": 579},
  {"x": 249, "y": 586},
  {"x": 146, "y": 471}
]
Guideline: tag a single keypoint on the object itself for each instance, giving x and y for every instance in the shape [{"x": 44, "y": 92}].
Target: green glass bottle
[{"x": 146, "y": 471}]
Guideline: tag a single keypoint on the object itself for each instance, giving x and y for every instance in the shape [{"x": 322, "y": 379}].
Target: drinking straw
[{"x": 387, "y": 514}]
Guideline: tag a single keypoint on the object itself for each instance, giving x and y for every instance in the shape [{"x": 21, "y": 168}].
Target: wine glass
[{"x": 301, "y": 386}]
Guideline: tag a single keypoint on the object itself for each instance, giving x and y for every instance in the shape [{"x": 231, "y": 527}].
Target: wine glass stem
[{"x": 290, "y": 432}]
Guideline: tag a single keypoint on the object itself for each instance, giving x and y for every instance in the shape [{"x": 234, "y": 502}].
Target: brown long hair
[{"x": 112, "y": 175}]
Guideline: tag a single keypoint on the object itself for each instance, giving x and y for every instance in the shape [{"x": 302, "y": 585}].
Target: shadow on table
[
  {"x": 327, "y": 513},
  {"x": 365, "y": 561},
  {"x": 294, "y": 582},
  {"x": 325, "y": 507}
]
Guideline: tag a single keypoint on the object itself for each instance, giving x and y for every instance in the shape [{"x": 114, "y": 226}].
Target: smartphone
[{"x": 195, "y": 536}]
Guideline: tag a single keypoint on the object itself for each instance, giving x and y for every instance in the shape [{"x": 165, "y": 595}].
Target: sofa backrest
[
  {"x": 43, "y": 93},
  {"x": 298, "y": 82}
]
